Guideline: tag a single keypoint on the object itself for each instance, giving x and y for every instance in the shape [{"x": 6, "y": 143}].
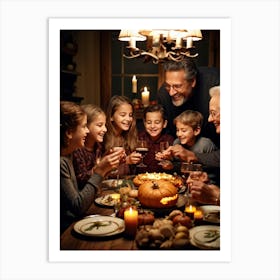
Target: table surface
[{"x": 71, "y": 240}]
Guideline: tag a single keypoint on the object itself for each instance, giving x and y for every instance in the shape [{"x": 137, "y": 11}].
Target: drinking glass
[
  {"x": 163, "y": 145},
  {"x": 142, "y": 148},
  {"x": 186, "y": 169}
]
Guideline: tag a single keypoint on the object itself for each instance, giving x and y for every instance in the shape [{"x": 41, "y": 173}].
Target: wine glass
[
  {"x": 142, "y": 148},
  {"x": 163, "y": 145},
  {"x": 186, "y": 169}
]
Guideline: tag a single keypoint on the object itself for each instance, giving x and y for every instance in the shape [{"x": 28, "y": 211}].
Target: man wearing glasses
[{"x": 187, "y": 88}]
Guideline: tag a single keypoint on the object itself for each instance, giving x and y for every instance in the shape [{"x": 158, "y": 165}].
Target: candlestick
[
  {"x": 134, "y": 84},
  {"x": 145, "y": 97},
  {"x": 131, "y": 222},
  {"x": 190, "y": 210}
]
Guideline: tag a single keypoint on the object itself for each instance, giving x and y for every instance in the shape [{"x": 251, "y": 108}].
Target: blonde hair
[{"x": 194, "y": 119}]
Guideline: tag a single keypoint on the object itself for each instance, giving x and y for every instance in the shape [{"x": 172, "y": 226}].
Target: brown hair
[
  {"x": 154, "y": 108},
  {"x": 92, "y": 112},
  {"x": 128, "y": 139},
  {"x": 189, "y": 117},
  {"x": 71, "y": 115}
]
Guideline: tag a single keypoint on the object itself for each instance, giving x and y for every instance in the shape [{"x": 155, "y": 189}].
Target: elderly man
[{"x": 186, "y": 87}]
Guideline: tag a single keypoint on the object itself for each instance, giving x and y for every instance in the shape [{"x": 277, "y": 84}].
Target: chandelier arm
[
  {"x": 131, "y": 55},
  {"x": 189, "y": 55},
  {"x": 150, "y": 54}
]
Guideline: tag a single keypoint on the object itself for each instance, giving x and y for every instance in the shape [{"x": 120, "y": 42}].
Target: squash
[{"x": 157, "y": 194}]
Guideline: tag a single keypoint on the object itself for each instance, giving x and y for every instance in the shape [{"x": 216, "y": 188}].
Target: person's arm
[
  {"x": 82, "y": 171},
  {"x": 211, "y": 159},
  {"x": 77, "y": 201},
  {"x": 204, "y": 193}
]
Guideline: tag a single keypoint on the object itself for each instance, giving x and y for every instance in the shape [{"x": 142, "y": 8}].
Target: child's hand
[
  {"x": 133, "y": 158},
  {"x": 163, "y": 155},
  {"x": 166, "y": 164}
]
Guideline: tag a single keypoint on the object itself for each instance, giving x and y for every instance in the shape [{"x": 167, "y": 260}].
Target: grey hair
[
  {"x": 214, "y": 91},
  {"x": 188, "y": 65}
]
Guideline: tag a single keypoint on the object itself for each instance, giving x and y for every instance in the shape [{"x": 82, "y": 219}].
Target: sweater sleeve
[
  {"x": 211, "y": 159},
  {"x": 74, "y": 200}
]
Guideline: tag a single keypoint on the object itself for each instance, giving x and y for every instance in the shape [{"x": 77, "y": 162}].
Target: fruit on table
[
  {"x": 183, "y": 220},
  {"x": 145, "y": 219}
]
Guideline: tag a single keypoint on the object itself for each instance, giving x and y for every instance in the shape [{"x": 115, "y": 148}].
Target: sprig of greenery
[{"x": 98, "y": 224}]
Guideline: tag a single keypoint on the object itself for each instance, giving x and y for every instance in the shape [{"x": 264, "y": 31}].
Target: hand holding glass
[{"x": 142, "y": 148}]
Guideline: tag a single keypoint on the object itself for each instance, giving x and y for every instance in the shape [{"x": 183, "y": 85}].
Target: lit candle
[
  {"x": 134, "y": 84},
  {"x": 198, "y": 215},
  {"x": 145, "y": 97},
  {"x": 115, "y": 196},
  {"x": 190, "y": 210},
  {"x": 131, "y": 221}
]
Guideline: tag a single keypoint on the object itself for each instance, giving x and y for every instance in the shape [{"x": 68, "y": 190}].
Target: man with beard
[{"x": 186, "y": 87}]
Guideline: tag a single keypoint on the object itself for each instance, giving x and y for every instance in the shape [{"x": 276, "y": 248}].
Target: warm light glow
[
  {"x": 165, "y": 200},
  {"x": 162, "y": 44},
  {"x": 145, "y": 95},
  {"x": 134, "y": 84}
]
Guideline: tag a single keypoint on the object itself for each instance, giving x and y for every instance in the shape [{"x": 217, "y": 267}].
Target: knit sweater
[{"x": 74, "y": 202}]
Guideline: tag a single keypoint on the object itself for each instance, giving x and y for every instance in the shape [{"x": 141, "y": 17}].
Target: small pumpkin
[
  {"x": 157, "y": 194},
  {"x": 145, "y": 219}
]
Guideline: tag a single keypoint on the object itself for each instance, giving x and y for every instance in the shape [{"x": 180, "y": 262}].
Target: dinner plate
[
  {"x": 99, "y": 226},
  {"x": 106, "y": 200},
  {"x": 205, "y": 237},
  {"x": 211, "y": 213}
]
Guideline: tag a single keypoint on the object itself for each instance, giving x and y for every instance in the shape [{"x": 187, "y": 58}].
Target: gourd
[{"x": 157, "y": 194}]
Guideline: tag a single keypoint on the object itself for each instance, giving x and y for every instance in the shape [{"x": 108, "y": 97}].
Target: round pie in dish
[{"x": 144, "y": 177}]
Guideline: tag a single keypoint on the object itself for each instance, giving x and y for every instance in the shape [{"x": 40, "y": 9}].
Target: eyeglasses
[
  {"x": 213, "y": 114},
  {"x": 175, "y": 87}
]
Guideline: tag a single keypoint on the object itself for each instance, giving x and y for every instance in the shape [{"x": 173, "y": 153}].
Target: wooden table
[{"x": 70, "y": 240}]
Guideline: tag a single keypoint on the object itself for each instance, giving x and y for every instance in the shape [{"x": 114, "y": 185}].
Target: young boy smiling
[{"x": 154, "y": 133}]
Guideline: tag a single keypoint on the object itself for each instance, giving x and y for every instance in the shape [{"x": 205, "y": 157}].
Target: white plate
[
  {"x": 211, "y": 213},
  {"x": 106, "y": 200},
  {"x": 205, "y": 237},
  {"x": 100, "y": 226},
  {"x": 112, "y": 183}
]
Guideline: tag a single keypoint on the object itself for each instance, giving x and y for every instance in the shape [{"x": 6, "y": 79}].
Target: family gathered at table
[{"x": 180, "y": 130}]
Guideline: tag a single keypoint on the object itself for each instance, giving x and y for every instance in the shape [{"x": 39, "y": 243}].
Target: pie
[{"x": 144, "y": 177}]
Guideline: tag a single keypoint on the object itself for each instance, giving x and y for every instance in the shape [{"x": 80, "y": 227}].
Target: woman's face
[
  {"x": 77, "y": 137},
  {"x": 97, "y": 128},
  {"x": 123, "y": 117}
]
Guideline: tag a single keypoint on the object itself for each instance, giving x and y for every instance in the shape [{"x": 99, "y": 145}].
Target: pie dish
[{"x": 144, "y": 177}]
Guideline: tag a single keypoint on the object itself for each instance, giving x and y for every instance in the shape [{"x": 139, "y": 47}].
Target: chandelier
[{"x": 161, "y": 45}]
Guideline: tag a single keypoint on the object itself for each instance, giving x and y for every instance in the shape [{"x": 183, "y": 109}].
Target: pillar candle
[
  {"x": 134, "y": 84},
  {"x": 198, "y": 215},
  {"x": 145, "y": 97},
  {"x": 131, "y": 221},
  {"x": 190, "y": 209}
]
